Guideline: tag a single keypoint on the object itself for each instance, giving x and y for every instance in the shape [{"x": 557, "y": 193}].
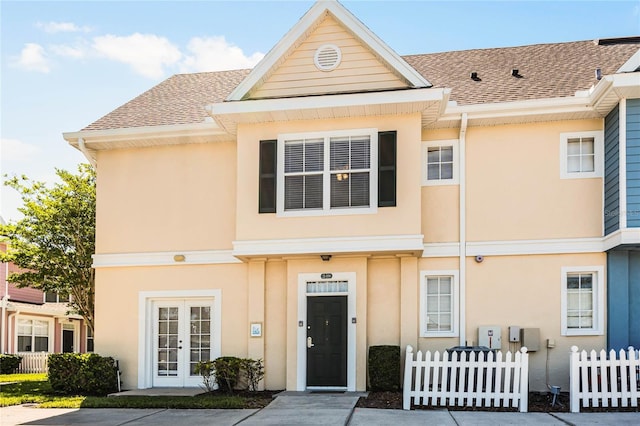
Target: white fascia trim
[
  {"x": 119, "y": 260},
  {"x": 621, "y": 237},
  {"x": 146, "y": 132},
  {"x": 303, "y": 25},
  {"x": 525, "y": 247},
  {"x": 330, "y": 101},
  {"x": 441, "y": 250},
  {"x": 632, "y": 64},
  {"x": 387, "y": 243}
]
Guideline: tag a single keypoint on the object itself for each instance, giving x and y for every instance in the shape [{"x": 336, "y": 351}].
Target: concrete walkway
[{"x": 301, "y": 410}]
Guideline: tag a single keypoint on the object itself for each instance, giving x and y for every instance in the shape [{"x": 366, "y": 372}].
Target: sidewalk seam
[
  {"x": 353, "y": 409},
  {"x": 561, "y": 419},
  {"x": 251, "y": 415},
  {"x": 136, "y": 419},
  {"x": 453, "y": 418}
]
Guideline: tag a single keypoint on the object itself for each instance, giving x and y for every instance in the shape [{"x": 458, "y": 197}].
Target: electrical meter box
[
  {"x": 530, "y": 337},
  {"x": 514, "y": 333},
  {"x": 490, "y": 336}
]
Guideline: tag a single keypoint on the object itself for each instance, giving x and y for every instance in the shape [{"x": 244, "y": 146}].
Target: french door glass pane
[
  {"x": 200, "y": 337},
  {"x": 168, "y": 341}
]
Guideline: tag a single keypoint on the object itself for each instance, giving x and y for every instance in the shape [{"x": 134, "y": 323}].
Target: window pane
[
  {"x": 446, "y": 171},
  {"x": 293, "y": 154},
  {"x": 24, "y": 343},
  {"x": 293, "y": 192},
  {"x": 586, "y": 281},
  {"x": 445, "y": 285},
  {"x": 432, "y": 304},
  {"x": 50, "y": 297},
  {"x": 573, "y": 146},
  {"x": 433, "y": 171},
  {"x": 313, "y": 192},
  {"x": 359, "y": 189},
  {"x": 446, "y": 153},
  {"x": 573, "y": 281},
  {"x": 587, "y": 146},
  {"x": 588, "y": 162},
  {"x": 360, "y": 153},
  {"x": 573, "y": 164},
  {"x": 433, "y": 155},
  {"x": 432, "y": 285},
  {"x": 339, "y": 154},
  {"x": 445, "y": 304},
  {"x": 340, "y": 190},
  {"x": 41, "y": 344},
  {"x": 314, "y": 155},
  {"x": 63, "y": 298}
]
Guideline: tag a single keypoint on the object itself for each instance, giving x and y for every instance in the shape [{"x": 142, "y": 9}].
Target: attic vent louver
[{"x": 327, "y": 57}]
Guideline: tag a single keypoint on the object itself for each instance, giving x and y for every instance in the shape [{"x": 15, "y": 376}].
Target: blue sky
[{"x": 66, "y": 64}]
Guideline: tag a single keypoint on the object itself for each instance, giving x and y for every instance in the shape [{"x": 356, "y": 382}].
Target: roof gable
[{"x": 326, "y": 21}]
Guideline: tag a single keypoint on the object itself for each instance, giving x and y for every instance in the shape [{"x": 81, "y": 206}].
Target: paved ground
[{"x": 301, "y": 410}]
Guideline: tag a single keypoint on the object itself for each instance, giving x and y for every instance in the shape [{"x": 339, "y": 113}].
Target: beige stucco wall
[
  {"x": 117, "y": 312},
  {"x": 179, "y": 197},
  {"x": 403, "y": 219},
  {"x": 514, "y": 190}
]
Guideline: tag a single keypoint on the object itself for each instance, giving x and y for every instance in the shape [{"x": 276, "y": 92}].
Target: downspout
[
  {"x": 13, "y": 329},
  {"x": 5, "y": 299},
  {"x": 463, "y": 230},
  {"x": 85, "y": 151}
]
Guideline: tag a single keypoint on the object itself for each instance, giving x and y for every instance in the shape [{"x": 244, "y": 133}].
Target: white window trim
[
  {"x": 598, "y": 149},
  {"x": 455, "y": 179},
  {"x": 51, "y": 330},
  {"x": 455, "y": 323},
  {"x": 327, "y": 211},
  {"x": 86, "y": 340},
  {"x": 598, "y": 303}
]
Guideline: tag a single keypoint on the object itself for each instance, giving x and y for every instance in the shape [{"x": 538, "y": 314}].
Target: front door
[
  {"x": 327, "y": 341},
  {"x": 181, "y": 338},
  {"x": 67, "y": 338}
]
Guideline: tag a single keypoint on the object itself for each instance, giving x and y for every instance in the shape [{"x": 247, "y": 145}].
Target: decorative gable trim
[{"x": 309, "y": 20}]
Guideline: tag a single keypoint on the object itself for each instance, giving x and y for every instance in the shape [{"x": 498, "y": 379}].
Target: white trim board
[
  {"x": 521, "y": 247},
  {"x": 204, "y": 257},
  {"x": 387, "y": 243}
]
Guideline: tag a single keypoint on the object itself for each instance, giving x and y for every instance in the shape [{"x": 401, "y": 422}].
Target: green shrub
[
  {"x": 254, "y": 371},
  {"x": 9, "y": 363},
  {"x": 207, "y": 371},
  {"x": 227, "y": 370},
  {"x": 384, "y": 368},
  {"x": 84, "y": 374}
]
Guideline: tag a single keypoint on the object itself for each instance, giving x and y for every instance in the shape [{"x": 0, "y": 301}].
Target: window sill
[
  {"x": 332, "y": 212},
  {"x": 582, "y": 332},
  {"x": 440, "y": 334}
]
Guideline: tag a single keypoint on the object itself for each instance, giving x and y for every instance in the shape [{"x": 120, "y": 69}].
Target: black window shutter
[
  {"x": 267, "y": 176},
  {"x": 387, "y": 169}
]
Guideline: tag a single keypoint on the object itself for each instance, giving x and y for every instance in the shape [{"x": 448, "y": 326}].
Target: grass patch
[{"x": 34, "y": 388}]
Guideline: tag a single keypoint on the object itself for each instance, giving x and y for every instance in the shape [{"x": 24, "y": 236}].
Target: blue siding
[
  {"x": 633, "y": 163},
  {"x": 611, "y": 172},
  {"x": 623, "y": 299}
]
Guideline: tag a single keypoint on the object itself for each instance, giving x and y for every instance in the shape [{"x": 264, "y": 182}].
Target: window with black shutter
[
  {"x": 267, "y": 176},
  {"x": 387, "y": 169}
]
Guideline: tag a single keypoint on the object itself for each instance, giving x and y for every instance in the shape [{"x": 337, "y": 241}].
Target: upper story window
[
  {"x": 55, "y": 297},
  {"x": 582, "y": 301},
  {"x": 440, "y": 162},
  {"x": 581, "y": 155},
  {"x": 327, "y": 173}
]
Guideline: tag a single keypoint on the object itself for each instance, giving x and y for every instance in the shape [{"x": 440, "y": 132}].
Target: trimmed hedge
[
  {"x": 9, "y": 363},
  {"x": 82, "y": 374},
  {"x": 384, "y": 368}
]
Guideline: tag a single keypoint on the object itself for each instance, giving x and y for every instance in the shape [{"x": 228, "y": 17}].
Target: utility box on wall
[
  {"x": 530, "y": 338},
  {"x": 490, "y": 336}
]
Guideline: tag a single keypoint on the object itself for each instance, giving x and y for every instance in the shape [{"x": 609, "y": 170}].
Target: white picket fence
[
  {"x": 33, "y": 362},
  {"x": 601, "y": 379},
  {"x": 455, "y": 380}
]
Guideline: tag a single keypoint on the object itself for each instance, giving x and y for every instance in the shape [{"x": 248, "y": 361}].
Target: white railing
[
  {"x": 604, "y": 379},
  {"x": 481, "y": 380},
  {"x": 33, "y": 362}
]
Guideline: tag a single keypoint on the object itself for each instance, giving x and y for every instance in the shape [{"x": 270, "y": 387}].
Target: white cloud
[
  {"x": 75, "y": 52},
  {"x": 15, "y": 150},
  {"x": 62, "y": 27},
  {"x": 33, "y": 58},
  {"x": 147, "y": 54},
  {"x": 216, "y": 54}
]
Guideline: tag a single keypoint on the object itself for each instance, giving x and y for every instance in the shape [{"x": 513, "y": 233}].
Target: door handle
[{"x": 310, "y": 342}]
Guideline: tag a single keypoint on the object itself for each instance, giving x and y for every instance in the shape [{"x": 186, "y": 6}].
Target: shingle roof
[{"x": 547, "y": 70}]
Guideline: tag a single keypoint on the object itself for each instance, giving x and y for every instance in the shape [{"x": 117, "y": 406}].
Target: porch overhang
[{"x": 406, "y": 245}]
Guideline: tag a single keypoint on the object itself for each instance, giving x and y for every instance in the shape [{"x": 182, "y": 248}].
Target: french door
[{"x": 181, "y": 338}]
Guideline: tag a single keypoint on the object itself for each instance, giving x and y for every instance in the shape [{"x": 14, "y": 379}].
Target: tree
[{"x": 54, "y": 241}]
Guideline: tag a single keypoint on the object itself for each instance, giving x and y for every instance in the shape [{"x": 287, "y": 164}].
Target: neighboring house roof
[{"x": 547, "y": 71}]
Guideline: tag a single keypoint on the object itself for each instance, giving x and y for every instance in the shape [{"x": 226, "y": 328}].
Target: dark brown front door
[
  {"x": 327, "y": 341},
  {"x": 67, "y": 341}
]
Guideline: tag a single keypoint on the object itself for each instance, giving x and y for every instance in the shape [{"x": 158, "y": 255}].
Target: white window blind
[
  {"x": 439, "y": 304},
  {"x": 580, "y": 300}
]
